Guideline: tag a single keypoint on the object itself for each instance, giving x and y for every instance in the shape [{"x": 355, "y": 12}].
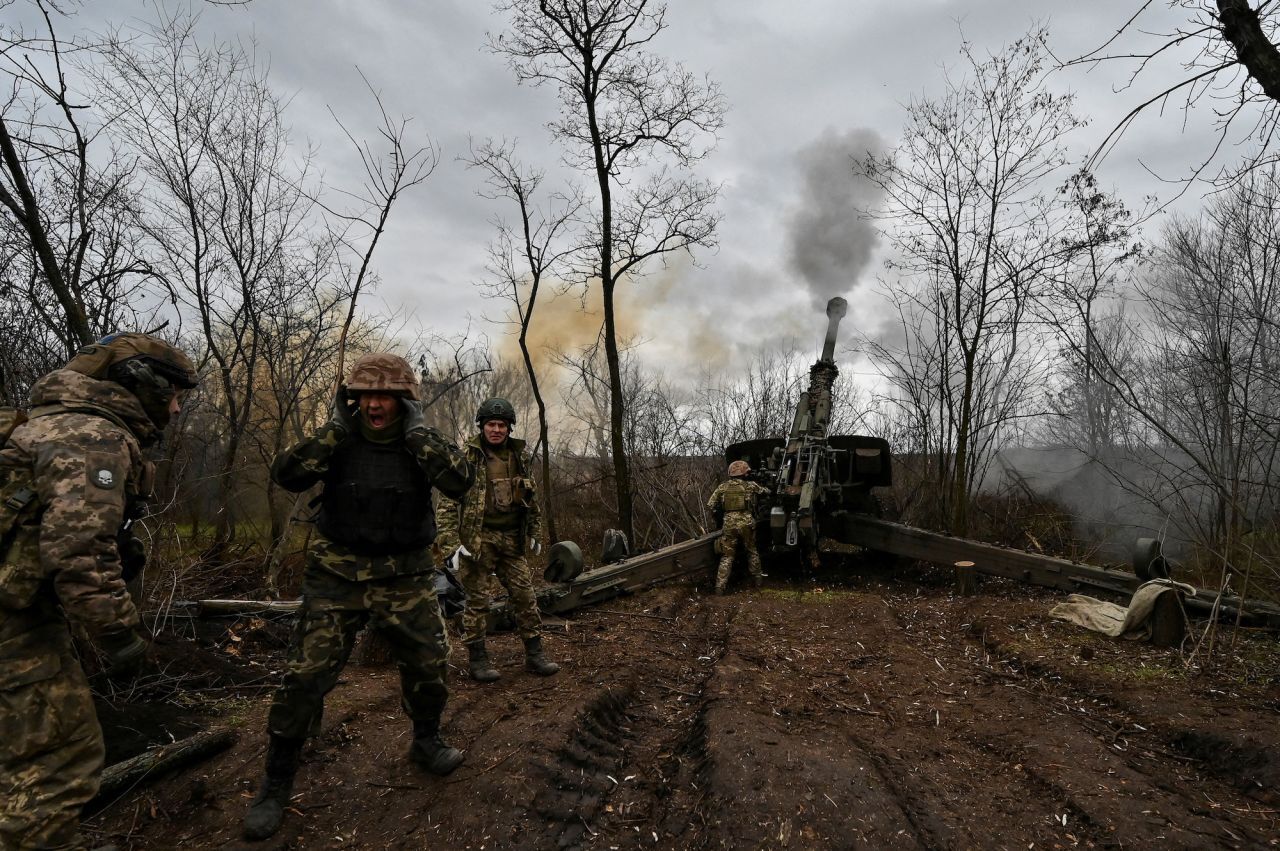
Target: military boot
[
  {"x": 481, "y": 669},
  {"x": 535, "y": 660},
  {"x": 429, "y": 750},
  {"x": 267, "y": 810}
]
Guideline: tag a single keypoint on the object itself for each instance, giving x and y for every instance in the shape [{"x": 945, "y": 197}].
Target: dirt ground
[{"x": 848, "y": 710}]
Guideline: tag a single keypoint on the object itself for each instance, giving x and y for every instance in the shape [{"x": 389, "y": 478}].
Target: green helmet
[{"x": 495, "y": 409}]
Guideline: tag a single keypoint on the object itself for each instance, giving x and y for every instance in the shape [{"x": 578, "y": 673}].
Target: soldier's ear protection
[
  {"x": 153, "y": 389},
  {"x": 138, "y": 374}
]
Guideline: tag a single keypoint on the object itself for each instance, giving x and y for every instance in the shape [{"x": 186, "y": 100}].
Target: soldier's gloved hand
[
  {"x": 454, "y": 561},
  {"x": 417, "y": 434},
  {"x": 535, "y": 546},
  {"x": 133, "y": 556},
  {"x": 414, "y": 422},
  {"x": 342, "y": 421},
  {"x": 126, "y": 654}
]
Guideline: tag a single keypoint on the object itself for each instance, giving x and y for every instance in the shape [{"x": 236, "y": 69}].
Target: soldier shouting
[
  {"x": 489, "y": 529},
  {"x": 70, "y": 478},
  {"x": 369, "y": 563}
]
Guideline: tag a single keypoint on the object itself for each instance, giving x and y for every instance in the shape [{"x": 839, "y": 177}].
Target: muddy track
[
  {"x": 636, "y": 746},
  {"x": 1234, "y": 756},
  {"x": 874, "y": 715},
  {"x": 1099, "y": 760}
]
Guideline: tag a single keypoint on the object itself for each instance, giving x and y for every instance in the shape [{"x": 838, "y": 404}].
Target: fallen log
[
  {"x": 236, "y": 608},
  {"x": 150, "y": 764}
]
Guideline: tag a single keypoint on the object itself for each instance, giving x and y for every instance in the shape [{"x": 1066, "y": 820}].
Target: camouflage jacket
[
  {"x": 461, "y": 519},
  {"x": 733, "y": 492},
  {"x": 82, "y": 452},
  {"x": 307, "y": 463}
]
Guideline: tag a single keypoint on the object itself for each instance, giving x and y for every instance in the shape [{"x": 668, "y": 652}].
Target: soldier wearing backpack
[{"x": 70, "y": 477}]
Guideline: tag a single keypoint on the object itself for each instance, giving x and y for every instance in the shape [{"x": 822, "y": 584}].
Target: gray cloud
[
  {"x": 830, "y": 241},
  {"x": 787, "y": 71}
]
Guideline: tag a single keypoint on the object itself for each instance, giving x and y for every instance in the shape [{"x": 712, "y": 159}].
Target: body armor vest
[
  {"x": 376, "y": 500},
  {"x": 738, "y": 496},
  {"x": 504, "y": 498}
]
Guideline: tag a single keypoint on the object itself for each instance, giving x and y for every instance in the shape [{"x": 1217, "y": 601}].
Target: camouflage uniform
[
  {"x": 343, "y": 591},
  {"x": 497, "y": 551},
  {"x": 82, "y": 449},
  {"x": 737, "y": 499}
]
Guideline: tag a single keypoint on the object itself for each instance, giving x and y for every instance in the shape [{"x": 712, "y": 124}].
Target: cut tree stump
[
  {"x": 1168, "y": 621},
  {"x": 966, "y": 579}
]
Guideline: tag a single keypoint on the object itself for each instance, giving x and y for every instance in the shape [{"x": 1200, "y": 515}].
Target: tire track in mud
[
  {"x": 790, "y": 728},
  {"x": 584, "y": 771},
  {"x": 637, "y": 749}
]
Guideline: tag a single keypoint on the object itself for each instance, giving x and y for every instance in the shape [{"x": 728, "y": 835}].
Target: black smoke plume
[{"x": 829, "y": 240}]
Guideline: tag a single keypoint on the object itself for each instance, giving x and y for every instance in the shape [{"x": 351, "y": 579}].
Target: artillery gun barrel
[{"x": 836, "y": 309}]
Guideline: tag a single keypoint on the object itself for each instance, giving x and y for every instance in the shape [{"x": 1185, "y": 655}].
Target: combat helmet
[
  {"x": 739, "y": 468},
  {"x": 495, "y": 409},
  {"x": 382, "y": 372},
  {"x": 147, "y": 366}
]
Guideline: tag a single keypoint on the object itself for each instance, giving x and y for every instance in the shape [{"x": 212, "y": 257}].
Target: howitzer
[
  {"x": 814, "y": 478},
  {"x": 820, "y": 487}
]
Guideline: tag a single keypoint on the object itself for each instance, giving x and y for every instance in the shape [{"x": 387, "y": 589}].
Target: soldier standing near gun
[
  {"x": 71, "y": 478},
  {"x": 489, "y": 529},
  {"x": 369, "y": 562},
  {"x": 736, "y": 499}
]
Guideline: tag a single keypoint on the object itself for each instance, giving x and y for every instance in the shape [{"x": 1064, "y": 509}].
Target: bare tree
[
  {"x": 661, "y": 432},
  {"x": 521, "y": 256},
  {"x": 973, "y": 227},
  {"x": 457, "y": 375},
  {"x": 388, "y": 175},
  {"x": 70, "y": 263},
  {"x": 1204, "y": 389},
  {"x": 1100, "y": 252},
  {"x": 228, "y": 211},
  {"x": 1230, "y": 63},
  {"x": 625, "y": 111}
]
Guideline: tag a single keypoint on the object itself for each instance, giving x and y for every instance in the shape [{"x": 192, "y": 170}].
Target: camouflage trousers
[
  {"x": 404, "y": 609},
  {"x": 739, "y": 531},
  {"x": 51, "y": 750},
  {"x": 501, "y": 553}
]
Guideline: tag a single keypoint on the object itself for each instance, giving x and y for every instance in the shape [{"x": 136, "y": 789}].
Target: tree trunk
[
  {"x": 1241, "y": 27},
  {"x": 26, "y": 210},
  {"x": 960, "y": 484},
  {"x": 617, "y": 437}
]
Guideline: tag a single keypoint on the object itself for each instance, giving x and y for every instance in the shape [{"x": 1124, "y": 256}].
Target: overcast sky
[{"x": 806, "y": 81}]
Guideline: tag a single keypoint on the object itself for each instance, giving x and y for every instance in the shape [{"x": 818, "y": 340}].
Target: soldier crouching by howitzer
[
  {"x": 369, "y": 563},
  {"x": 71, "y": 479},
  {"x": 489, "y": 529},
  {"x": 737, "y": 499}
]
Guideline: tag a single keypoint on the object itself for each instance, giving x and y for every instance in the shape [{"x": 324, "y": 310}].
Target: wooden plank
[
  {"x": 1035, "y": 568},
  {"x": 632, "y": 575},
  {"x": 921, "y": 545}
]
